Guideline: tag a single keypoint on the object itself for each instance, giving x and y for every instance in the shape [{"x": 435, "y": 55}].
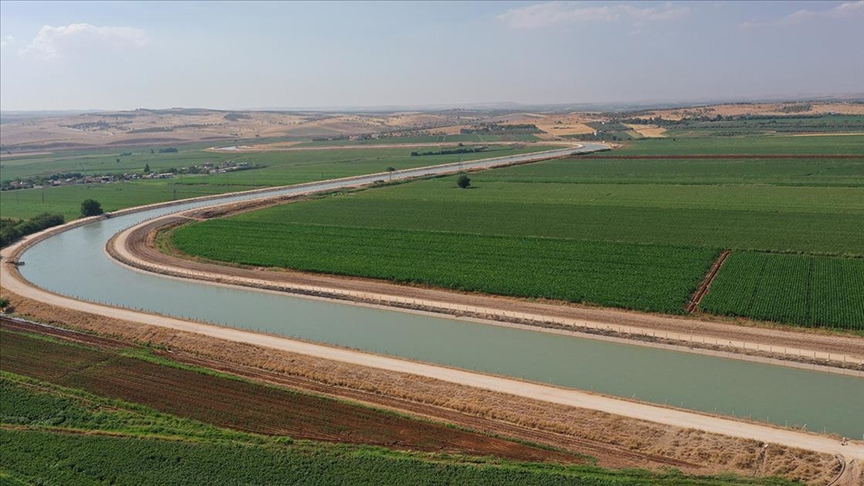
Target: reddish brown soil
[{"x": 41, "y": 360}]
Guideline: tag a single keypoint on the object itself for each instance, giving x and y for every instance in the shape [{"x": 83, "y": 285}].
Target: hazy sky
[{"x": 251, "y": 55}]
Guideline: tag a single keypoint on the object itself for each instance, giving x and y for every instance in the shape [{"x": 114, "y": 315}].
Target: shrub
[
  {"x": 463, "y": 181},
  {"x": 91, "y": 207}
]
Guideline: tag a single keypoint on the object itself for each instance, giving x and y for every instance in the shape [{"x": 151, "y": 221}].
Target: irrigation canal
[{"x": 74, "y": 263}]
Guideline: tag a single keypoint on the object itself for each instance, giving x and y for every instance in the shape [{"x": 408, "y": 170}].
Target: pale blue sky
[{"x": 243, "y": 55}]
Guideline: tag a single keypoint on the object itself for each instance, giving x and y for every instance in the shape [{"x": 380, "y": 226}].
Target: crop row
[
  {"x": 643, "y": 277},
  {"x": 50, "y": 458},
  {"x": 604, "y": 168},
  {"x": 794, "y": 289},
  {"x": 779, "y": 144},
  {"x": 662, "y": 215}
]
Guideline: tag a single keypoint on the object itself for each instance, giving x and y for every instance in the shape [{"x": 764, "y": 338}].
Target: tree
[
  {"x": 152, "y": 151},
  {"x": 91, "y": 207},
  {"x": 391, "y": 170},
  {"x": 146, "y": 168},
  {"x": 463, "y": 181}
]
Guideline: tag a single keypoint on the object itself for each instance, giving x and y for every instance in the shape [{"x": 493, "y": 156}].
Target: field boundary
[{"x": 705, "y": 286}]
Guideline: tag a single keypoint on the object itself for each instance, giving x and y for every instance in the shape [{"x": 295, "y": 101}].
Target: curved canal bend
[{"x": 73, "y": 263}]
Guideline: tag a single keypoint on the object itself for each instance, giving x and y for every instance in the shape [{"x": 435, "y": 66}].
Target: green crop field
[
  {"x": 744, "y": 145},
  {"x": 814, "y": 219},
  {"x": 745, "y": 217},
  {"x": 280, "y": 168},
  {"x": 644, "y": 277},
  {"x": 67, "y": 200},
  {"x": 434, "y": 233},
  {"x": 766, "y": 125},
  {"x": 601, "y": 168},
  {"x": 98, "y": 161},
  {"x": 69, "y": 458},
  {"x": 797, "y": 289}
]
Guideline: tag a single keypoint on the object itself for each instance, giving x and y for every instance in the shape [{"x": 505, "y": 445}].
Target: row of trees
[
  {"x": 12, "y": 229},
  {"x": 460, "y": 150}
]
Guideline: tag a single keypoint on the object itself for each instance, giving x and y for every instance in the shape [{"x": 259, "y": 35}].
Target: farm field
[
  {"x": 99, "y": 161},
  {"x": 279, "y": 168},
  {"x": 767, "y": 125},
  {"x": 66, "y": 200},
  {"x": 744, "y": 217},
  {"x": 149, "y": 460},
  {"x": 798, "y": 289},
  {"x": 567, "y": 229},
  {"x": 643, "y": 277},
  {"x": 743, "y": 145},
  {"x": 81, "y": 432},
  {"x": 724, "y": 173}
]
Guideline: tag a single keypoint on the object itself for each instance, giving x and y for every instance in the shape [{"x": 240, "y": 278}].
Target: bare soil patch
[
  {"x": 648, "y": 131},
  {"x": 764, "y": 109}
]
